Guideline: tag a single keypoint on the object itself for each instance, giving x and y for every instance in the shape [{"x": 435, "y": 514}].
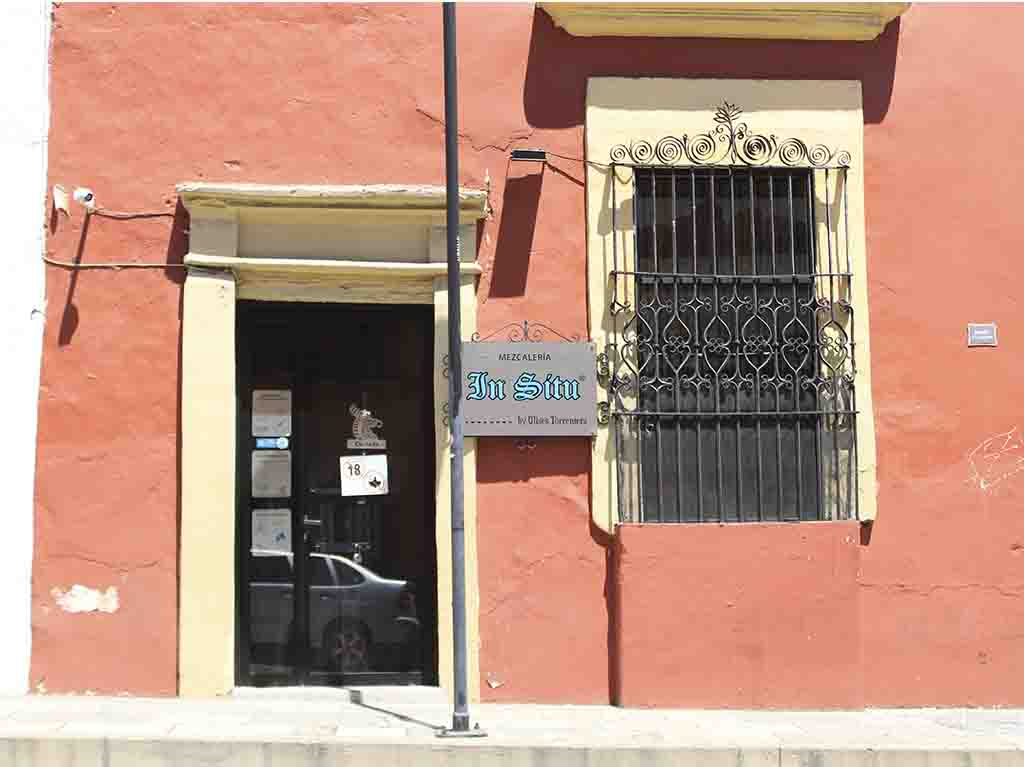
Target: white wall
[{"x": 24, "y": 124}]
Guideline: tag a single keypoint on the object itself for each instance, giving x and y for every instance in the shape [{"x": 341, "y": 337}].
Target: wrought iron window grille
[{"x": 730, "y": 363}]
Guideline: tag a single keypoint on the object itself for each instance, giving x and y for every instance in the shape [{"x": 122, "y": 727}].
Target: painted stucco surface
[
  {"x": 698, "y": 629},
  {"x": 24, "y": 40},
  {"x": 926, "y": 610}
]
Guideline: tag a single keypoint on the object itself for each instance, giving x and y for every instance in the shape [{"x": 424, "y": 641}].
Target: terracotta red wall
[
  {"x": 751, "y": 616},
  {"x": 926, "y": 612}
]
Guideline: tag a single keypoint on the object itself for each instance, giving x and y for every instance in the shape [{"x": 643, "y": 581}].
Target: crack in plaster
[
  {"x": 121, "y": 569},
  {"x": 1012, "y": 591},
  {"x": 519, "y": 135},
  {"x": 517, "y": 593}
]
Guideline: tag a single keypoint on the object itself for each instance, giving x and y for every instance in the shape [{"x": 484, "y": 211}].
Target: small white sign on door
[
  {"x": 271, "y": 531},
  {"x": 364, "y": 475},
  {"x": 271, "y": 473},
  {"x": 272, "y": 413}
]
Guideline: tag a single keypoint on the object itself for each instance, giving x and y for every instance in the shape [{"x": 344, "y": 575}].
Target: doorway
[{"x": 337, "y": 581}]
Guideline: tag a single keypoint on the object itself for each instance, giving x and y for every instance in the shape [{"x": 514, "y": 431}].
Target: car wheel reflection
[{"x": 347, "y": 647}]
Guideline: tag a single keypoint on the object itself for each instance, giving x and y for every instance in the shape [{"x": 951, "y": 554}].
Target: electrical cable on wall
[
  {"x": 595, "y": 163},
  {"x": 111, "y": 264},
  {"x": 87, "y": 199},
  {"x": 541, "y": 155},
  {"x": 122, "y": 215}
]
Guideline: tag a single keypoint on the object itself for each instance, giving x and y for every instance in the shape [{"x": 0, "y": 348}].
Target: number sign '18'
[
  {"x": 364, "y": 475},
  {"x": 529, "y": 389}
]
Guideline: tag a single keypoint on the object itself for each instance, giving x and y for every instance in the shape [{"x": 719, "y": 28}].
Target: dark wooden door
[{"x": 351, "y": 596}]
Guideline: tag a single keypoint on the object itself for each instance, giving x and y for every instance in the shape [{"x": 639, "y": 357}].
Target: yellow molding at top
[
  {"x": 794, "y": 21},
  {"x": 337, "y": 268},
  {"x": 407, "y": 198}
]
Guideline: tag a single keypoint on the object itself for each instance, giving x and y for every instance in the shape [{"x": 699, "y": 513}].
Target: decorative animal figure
[{"x": 363, "y": 423}]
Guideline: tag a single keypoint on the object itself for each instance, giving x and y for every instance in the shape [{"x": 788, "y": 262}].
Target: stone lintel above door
[{"x": 366, "y": 223}]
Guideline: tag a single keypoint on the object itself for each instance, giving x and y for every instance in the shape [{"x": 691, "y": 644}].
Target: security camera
[{"x": 86, "y": 198}]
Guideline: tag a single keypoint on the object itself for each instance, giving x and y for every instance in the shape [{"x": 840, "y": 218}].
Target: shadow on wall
[
  {"x": 554, "y": 95},
  {"x": 177, "y": 245},
  {"x": 519, "y": 203},
  {"x": 514, "y": 461}
]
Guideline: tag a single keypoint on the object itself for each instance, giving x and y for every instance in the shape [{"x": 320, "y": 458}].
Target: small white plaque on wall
[{"x": 981, "y": 334}]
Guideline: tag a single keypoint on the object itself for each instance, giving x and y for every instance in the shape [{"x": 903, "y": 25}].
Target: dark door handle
[{"x": 325, "y": 491}]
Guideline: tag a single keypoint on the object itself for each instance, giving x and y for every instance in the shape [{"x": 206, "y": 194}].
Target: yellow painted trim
[
  {"x": 217, "y": 277},
  {"x": 445, "y": 630},
  {"x": 795, "y": 21},
  {"x": 380, "y": 198},
  {"x": 326, "y": 289},
  {"x": 300, "y": 266},
  {"x": 206, "y": 613},
  {"x": 627, "y": 110}
]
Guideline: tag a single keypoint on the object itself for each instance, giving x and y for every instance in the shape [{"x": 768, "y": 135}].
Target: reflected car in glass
[{"x": 358, "y": 620}]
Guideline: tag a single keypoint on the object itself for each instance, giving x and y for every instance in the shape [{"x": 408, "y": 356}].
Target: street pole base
[{"x": 461, "y": 730}]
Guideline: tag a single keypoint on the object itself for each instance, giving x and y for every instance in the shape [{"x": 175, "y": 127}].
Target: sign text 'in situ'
[{"x": 526, "y": 389}]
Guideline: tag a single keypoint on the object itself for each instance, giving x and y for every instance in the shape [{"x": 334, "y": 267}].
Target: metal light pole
[{"x": 460, "y": 715}]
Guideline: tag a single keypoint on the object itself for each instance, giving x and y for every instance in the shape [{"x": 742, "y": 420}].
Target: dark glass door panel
[
  {"x": 272, "y": 614},
  {"x": 349, "y": 597}
]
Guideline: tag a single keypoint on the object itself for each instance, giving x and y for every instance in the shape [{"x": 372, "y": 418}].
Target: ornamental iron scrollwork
[
  {"x": 730, "y": 142},
  {"x": 611, "y": 381},
  {"x": 525, "y": 331}
]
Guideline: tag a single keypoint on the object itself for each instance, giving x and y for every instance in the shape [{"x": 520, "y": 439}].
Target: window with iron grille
[{"x": 732, "y": 367}]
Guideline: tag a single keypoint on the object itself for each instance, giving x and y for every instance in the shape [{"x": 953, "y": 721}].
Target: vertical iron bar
[
  {"x": 738, "y": 345},
  {"x": 460, "y": 714},
  {"x": 636, "y": 345},
  {"x": 832, "y": 318},
  {"x": 656, "y": 349},
  {"x": 796, "y": 376},
  {"x": 855, "y": 483},
  {"x": 819, "y": 456},
  {"x": 615, "y": 244},
  {"x": 716, "y": 310},
  {"x": 757, "y": 372},
  {"x": 778, "y": 366},
  {"x": 613, "y": 362},
  {"x": 676, "y": 393},
  {"x": 699, "y": 345}
]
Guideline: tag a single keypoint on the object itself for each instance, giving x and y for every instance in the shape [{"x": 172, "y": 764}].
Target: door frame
[
  {"x": 250, "y": 322},
  {"x": 217, "y": 277}
]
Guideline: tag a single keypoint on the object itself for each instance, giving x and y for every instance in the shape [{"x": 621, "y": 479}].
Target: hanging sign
[
  {"x": 528, "y": 389},
  {"x": 363, "y": 435},
  {"x": 364, "y": 475},
  {"x": 271, "y": 413}
]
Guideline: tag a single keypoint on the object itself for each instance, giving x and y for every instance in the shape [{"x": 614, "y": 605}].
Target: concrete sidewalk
[{"x": 328, "y": 727}]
